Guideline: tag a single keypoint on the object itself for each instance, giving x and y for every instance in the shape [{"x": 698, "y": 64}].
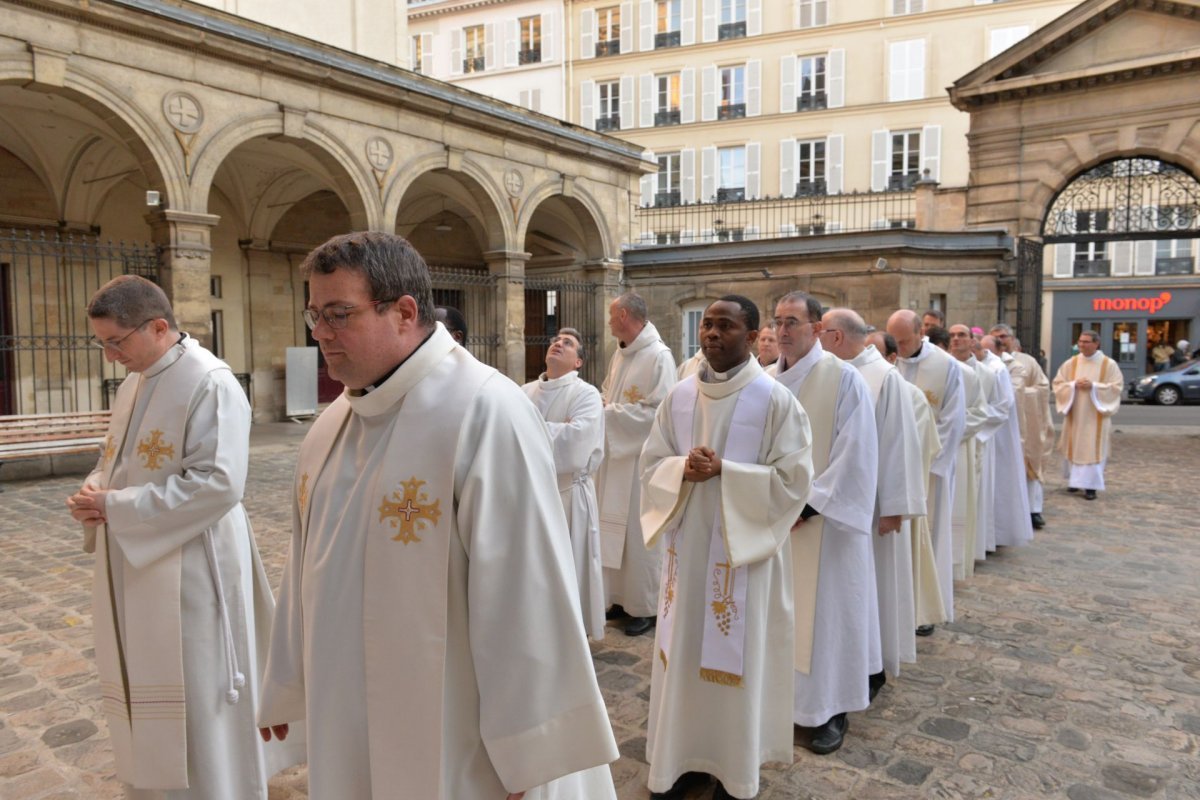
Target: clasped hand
[
  {"x": 701, "y": 464},
  {"x": 87, "y": 506}
]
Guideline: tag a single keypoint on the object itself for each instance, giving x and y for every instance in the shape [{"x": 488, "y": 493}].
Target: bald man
[{"x": 934, "y": 372}]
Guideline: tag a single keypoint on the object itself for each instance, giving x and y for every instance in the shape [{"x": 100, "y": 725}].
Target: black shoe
[
  {"x": 721, "y": 793},
  {"x": 924, "y": 630},
  {"x": 875, "y": 683},
  {"x": 615, "y": 612},
  {"x": 829, "y": 736},
  {"x": 1090, "y": 494},
  {"x": 639, "y": 625},
  {"x": 686, "y": 782},
  {"x": 1038, "y": 521},
  {"x": 1072, "y": 489}
]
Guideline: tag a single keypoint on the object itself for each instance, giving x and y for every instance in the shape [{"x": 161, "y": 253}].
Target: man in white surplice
[
  {"x": 968, "y": 467},
  {"x": 900, "y": 488},
  {"x": 933, "y": 372},
  {"x": 640, "y": 374},
  {"x": 574, "y": 416},
  {"x": 1011, "y": 519},
  {"x": 430, "y": 567},
  {"x": 181, "y": 604},
  {"x": 725, "y": 472},
  {"x": 837, "y": 614}
]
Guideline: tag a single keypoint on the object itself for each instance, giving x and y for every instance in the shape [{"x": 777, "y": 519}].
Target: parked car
[{"x": 1171, "y": 387}]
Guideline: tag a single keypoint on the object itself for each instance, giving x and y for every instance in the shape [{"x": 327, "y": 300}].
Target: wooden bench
[{"x": 25, "y": 436}]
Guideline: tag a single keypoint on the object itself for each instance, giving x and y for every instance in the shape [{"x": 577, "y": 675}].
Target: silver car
[{"x": 1171, "y": 387}]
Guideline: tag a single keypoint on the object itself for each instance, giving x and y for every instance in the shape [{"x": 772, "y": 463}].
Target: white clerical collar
[
  {"x": 734, "y": 381},
  {"x": 1094, "y": 356},
  {"x": 648, "y": 335},
  {"x": 411, "y": 372},
  {"x": 710, "y": 375},
  {"x": 922, "y": 354},
  {"x": 550, "y": 384},
  {"x": 796, "y": 373},
  {"x": 173, "y": 354},
  {"x": 1006, "y": 357}
]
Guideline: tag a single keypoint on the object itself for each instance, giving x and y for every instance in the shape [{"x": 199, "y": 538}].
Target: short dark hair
[
  {"x": 393, "y": 267},
  {"x": 937, "y": 314},
  {"x": 812, "y": 305},
  {"x": 454, "y": 321},
  {"x": 890, "y": 347},
  {"x": 1095, "y": 337},
  {"x": 131, "y": 300},
  {"x": 577, "y": 336},
  {"x": 939, "y": 336},
  {"x": 749, "y": 309}
]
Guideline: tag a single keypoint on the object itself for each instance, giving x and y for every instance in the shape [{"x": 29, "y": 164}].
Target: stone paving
[{"x": 1073, "y": 669}]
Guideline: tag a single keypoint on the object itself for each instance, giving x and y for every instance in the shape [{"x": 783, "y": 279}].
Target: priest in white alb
[
  {"x": 180, "y": 602},
  {"x": 968, "y": 467},
  {"x": 428, "y": 626},
  {"x": 837, "y": 613},
  {"x": 574, "y": 417},
  {"x": 725, "y": 472},
  {"x": 933, "y": 371},
  {"x": 997, "y": 413},
  {"x": 640, "y": 374},
  {"x": 1087, "y": 392},
  {"x": 900, "y": 488},
  {"x": 1011, "y": 520}
]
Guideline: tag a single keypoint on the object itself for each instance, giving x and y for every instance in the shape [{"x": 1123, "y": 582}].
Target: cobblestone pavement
[{"x": 1072, "y": 671}]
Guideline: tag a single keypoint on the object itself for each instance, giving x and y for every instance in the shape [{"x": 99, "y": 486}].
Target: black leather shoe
[
  {"x": 639, "y": 625},
  {"x": 615, "y": 612},
  {"x": 829, "y": 736},
  {"x": 1038, "y": 521},
  {"x": 874, "y": 684},
  {"x": 924, "y": 630},
  {"x": 686, "y": 782},
  {"x": 1090, "y": 494},
  {"x": 1072, "y": 489}
]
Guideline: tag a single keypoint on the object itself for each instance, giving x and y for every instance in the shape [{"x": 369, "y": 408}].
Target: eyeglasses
[
  {"x": 336, "y": 317},
  {"x": 116, "y": 344},
  {"x": 829, "y": 330}
]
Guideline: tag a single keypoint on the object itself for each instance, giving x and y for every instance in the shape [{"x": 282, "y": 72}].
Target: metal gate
[
  {"x": 472, "y": 292},
  {"x": 552, "y": 303},
  {"x": 46, "y": 280},
  {"x": 1029, "y": 295}
]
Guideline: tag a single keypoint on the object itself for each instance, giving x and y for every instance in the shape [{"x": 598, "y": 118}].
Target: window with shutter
[
  {"x": 732, "y": 21},
  {"x": 905, "y": 168},
  {"x": 530, "y": 50},
  {"x": 668, "y": 190},
  {"x": 732, "y": 101},
  {"x": 811, "y": 92},
  {"x": 474, "y": 41},
  {"x": 608, "y": 106},
  {"x": 608, "y": 31},
  {"x": 668, "y": 23},
  {"x": 667, "y": 99},
  {"x": 812, "y": 13},
  {"x": 906, "y": 70},
  {"x": 810, "y": 167},
  {"x": 731, "y": 176}
]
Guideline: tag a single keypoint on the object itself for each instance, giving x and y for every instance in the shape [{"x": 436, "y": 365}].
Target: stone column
[
  {"x": 508, "y": 268},
  {"x": 272, "y": 326},
  {"x": 925, "y": 203},
  {"x": 606, "y": 274},
  {"x": 185, "y": 267}
]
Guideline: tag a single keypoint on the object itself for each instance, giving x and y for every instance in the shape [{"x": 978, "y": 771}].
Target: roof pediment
[{"x": 1098, "y": 41}]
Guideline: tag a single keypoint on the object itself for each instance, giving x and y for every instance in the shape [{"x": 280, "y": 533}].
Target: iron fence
[
  {"x": 473, "y": 293},
  {"x": 813, "y": 213},
  {"x": 552, "y": 303}
]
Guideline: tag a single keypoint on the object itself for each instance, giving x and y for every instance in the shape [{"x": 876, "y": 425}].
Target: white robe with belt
[{"x": 1013, "y": 524}]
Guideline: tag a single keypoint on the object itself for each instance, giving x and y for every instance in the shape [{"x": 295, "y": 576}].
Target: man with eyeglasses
[
  {"x": 180, "y": 601},
  {"x": 428, "y": 627},
  {"x": 837, "y": 615},
  {"x": 574, "y": 415}
]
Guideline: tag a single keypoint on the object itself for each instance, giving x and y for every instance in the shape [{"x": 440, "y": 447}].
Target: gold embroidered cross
[
  {"x": 672, "y": 574},
  {"x": 409, "y": 511},
  {"x": 634, "y": 395},
  {"x": 302, "y": 493},
  {"x": 110, "y": 448},
  {"x": 932, "y": 398},
  {"x": 154, "y": 449},
  {"x": 723, "y": 605}
]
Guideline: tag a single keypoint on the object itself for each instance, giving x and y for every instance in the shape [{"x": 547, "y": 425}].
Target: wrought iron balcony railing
[
  {"x": 731, "y": 111},
  {"x": 668, "y": 39},
  {"x": 731, "y": 30},
  {"x": 664, "y": 118},
  {"x": 612, "y": 47}
]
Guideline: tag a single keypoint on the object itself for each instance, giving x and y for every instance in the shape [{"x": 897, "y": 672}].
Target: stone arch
[
  {"x": 598, "y": 243},
  {"x": 467, "y": 192}
]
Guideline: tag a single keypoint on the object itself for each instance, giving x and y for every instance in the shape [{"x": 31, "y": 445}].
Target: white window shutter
[
  {"x": 708, "y": 94},
  {"x": 512, "y": 42},
  {"x": 931, "y": 151},
  {"x": 645, "y": 25},
  {"x": 427, "y": 54},
  {"x": 523, "y": 98},
  {"x": 916, "y": 69},
  {"x": 687, "y": 91},
  {"x": 753, "y": 171},
  {"x": 1064, "y": 260},
  {"x": 708, "y": 20},
  {"x": 1143, "y": 257},
  {"x": 456, "y": 51},
  {"x": 881, "y": 145},
  {"x": 627, "y": 27},
  {"x": 587, "y": 33},
  {"x": 587, "y": 104},
  {"x": 648, "y": 184},
  {"x": 647, "y": 98},
  {"x": 687, "y": 175},
  {"x": 687, "y": 23},
  {"x": 627, "y": 102},
  {"x": 708, "y": 174},
  {"x": 489, "y": 46},
  {"x": 753, "y": 88},
  {"x": 820, "y": 12},
  {"x": 1122, "y": 263},
  {"x": 834, "y": 150},
  {"x": 787, "y": 84},
  {"x": 835, "y": 70},
  {"x": 753, "y": 17},
  {"x": 535, "y": 100},
  {"x": 896, "y": 71},
  {"x": 787, "y": 167},
  {"x": 549, "y": 36}
]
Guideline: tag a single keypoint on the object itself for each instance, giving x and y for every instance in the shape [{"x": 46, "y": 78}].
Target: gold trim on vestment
[{"x": 719, "y": 677}]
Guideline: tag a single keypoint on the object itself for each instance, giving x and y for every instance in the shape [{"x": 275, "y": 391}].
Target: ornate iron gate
[
  {"x": 552, "y": 303},
  {"x": 1029, "y": 295}
]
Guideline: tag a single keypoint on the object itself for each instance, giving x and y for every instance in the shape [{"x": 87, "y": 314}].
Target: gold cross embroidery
[
  {"x": 110, "y": 448},
  {"x": 672, "y": 574},
  {"x": 409, "y": 511},
  {"x": 302, "y": 493},
  {"x": 723, "y": 605},
  {"x": 933, "y": 399},
  {"x": 154, "y": 449},
  {"x": 634, "y": 395}
]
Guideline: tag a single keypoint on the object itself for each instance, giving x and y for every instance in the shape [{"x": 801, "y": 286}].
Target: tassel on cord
[{"x": 235, "y": 678}]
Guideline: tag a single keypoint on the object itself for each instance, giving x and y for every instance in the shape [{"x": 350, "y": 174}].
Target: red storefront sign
[{"x": 1150, "y": 304}]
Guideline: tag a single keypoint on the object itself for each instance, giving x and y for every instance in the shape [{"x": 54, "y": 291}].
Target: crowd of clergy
[{"x": 786, "y": 511}]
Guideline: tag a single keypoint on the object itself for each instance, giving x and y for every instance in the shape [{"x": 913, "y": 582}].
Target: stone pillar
[
  {"x": 606, "y": 274},
  {"x": 925, "y": 203},
  {"x": 272, "y": 326},
  {"x": 508, "y": 268},
  {"x": 185, "y": 267}
]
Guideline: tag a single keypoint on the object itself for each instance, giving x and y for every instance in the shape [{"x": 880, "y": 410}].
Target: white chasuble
[
  {"x": 574, "y": 417},
  {"x": 900, "y": 492},
  {"x": 181, "y": 604},
  {"x": 690, "y": 367},
  {"x": 1087, "y": 417},
  {"x": 639, "y": 377},
  {"x": 1012, "y": 525},
  {"x": 932, "y": 370},
  {"x": 698, "y": 723},
  {"x": 967, "y": 474},
  {"x": 429, "y": 575},
  {"x": 837, "y": 608},
  {"x": 930, "y": 609},
  {"x": 1032, "y": 390}
]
